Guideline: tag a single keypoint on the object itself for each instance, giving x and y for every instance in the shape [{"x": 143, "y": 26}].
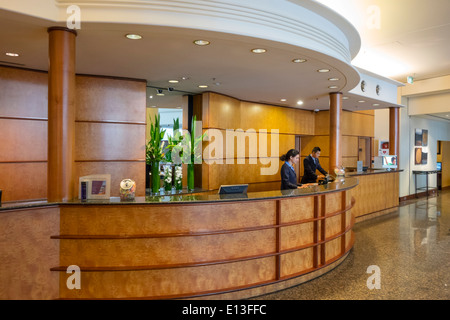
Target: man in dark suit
[{"x": 310, "y": 165}]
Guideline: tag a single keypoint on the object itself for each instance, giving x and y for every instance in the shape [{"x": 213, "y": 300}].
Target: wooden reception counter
[
  {"x": 377, "y": 193},
  {"x": 184, "y": 246}
]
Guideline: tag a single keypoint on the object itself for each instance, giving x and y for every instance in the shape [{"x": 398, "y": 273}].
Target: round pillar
[
  {"x": 335, "y": 131},
  {"x": 394, "y": 130},
  {"x": 61, "y": 114}
]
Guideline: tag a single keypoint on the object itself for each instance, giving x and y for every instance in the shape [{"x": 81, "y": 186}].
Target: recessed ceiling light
[
  {"x": 345, "y": 98},
  {"x": 323, "y": 70},
  {"x": 376, "y": 104},
  {"x": 184, "y": 78},
  {"x": 299, "y": 102},
  {"x": 333, "y": 79},
  {"x": 283, "y": 100},
  {"x": 333, "y": 87},
  {"x": 151, "y": 97},
  {"x": 132, "y": 36},
  {"x": 259, "y": 50},
  {"x": 202, "y": 42},
  {"x": 203, "y": 86},
  {"x": 298, "y": 60},
  {"x": 173, "y": 81},
  {"x": 361, "y": 101},
  {"x": 160, "y": 94},
  {"x": 12, "y": 54}
]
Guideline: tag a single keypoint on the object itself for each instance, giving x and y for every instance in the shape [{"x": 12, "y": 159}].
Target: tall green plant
[
  {"x": 154, "y": 148},
  {"x": 174, "y": 144},
  {"x": 195, "y": 143}
]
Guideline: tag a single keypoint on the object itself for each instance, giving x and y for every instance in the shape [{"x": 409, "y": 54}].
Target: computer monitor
[
  {"x": 439, "y": 166},
  {"x": 235, "y": 188},
  {"x": 389, "y": 162}
]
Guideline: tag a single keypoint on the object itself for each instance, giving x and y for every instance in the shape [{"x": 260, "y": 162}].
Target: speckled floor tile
[{"x": 411, "y": 247}]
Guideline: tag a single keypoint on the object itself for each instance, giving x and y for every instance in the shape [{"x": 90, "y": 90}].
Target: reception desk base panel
[{"x": 237, "y": 249}]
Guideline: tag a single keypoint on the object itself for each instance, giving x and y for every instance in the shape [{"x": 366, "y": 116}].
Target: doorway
[{"x": 364, "y": 151}]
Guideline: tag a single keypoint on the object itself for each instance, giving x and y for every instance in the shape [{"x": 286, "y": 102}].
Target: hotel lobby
[{"x": 142, "y": 142}]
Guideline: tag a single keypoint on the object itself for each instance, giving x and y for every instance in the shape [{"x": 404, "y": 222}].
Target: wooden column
[
  {"x": 61, "y": 114},
  {"x": 394, "y": 130},
  {"x": 335, "y": 130}
]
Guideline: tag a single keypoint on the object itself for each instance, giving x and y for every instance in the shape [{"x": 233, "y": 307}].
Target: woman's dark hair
[{"x": 289, "y": 154}]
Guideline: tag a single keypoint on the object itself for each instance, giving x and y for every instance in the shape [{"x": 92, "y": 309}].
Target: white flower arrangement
[
  {"x": 178, "y": 173},
  {"x": 168, "y": 174},
  {"x": 178, "y": 177}
]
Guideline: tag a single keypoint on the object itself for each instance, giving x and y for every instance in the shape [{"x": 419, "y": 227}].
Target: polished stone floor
[{"x": 411, "y": 247}]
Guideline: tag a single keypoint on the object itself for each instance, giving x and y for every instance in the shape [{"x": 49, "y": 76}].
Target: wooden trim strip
[
  {"x": 116, "y": 160},
  {"x": 330, "y": 261},
  {"x": 344, "y": 135},
  {"x": 24, "y": 161},
  {"x": 205, "y": 263},
  {"x": 278, "y": 241},
  {"x": 110, "y": 77},
  {"x": 237, "y": 288},
  {"x": 343, "y": 217},
  {"x": 322, "y": 229},
  {"x": 111, "y": 122},
  {"x": 22, "y": 68},
  {"x": 23, "y": 118},
  {"x": 203, "y": 233},
  {"x": 316, "y": 232},
  {"x": 257, "y": 131}
]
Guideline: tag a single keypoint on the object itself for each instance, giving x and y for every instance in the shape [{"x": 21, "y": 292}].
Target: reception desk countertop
[
  {"x": 370, "y": 172},
  {"x": 208, "y": 196}
]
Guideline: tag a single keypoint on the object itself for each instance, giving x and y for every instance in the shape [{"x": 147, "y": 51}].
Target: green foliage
[
  {"x": 174, "y": 144},
  {"x": 154, "y": 149},
  {"x": 196, "y": 143}
]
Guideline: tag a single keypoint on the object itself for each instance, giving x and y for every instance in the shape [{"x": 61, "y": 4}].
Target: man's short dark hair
[{"x": 316, "y": 149}]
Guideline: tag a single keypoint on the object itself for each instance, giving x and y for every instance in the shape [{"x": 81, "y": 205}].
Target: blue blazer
[{"x": 288, "y": 178}]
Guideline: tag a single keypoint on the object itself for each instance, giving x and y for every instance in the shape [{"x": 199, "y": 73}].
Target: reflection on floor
[{"x": 411, "y": 247}]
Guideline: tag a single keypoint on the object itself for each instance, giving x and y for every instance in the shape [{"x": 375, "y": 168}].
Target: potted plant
[
  {"x": 174, "y": 154},
  {"x": 154, "y": 152},
  {"x": 195, "y": 152}
]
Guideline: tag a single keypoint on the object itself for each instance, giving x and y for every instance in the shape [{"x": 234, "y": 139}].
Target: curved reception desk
[{"x": 201, "y": 245}]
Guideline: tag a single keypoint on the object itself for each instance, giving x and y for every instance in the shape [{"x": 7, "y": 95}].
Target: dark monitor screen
[
  {"x": 235, "y": 188},
  {"x": 439, "y": 166}
]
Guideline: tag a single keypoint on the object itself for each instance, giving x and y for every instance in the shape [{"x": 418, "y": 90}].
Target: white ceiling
[
  {"x": 412, "y": 33},
  {"x": 412, "y": 38}
]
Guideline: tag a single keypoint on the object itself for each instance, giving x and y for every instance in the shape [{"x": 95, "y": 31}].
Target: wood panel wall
[
  {"x": 23, "y": 132},
  {"x": 110, "y": 131},
  {"x": 445, "y": 152},
  {"x": 354, "y": 125},
  {"x": 220, "y": 113},
  {"x": 223, "y": 116}
]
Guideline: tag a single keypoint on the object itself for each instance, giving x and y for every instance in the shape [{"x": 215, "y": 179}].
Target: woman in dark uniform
[{"x": 288, "y": 175}]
